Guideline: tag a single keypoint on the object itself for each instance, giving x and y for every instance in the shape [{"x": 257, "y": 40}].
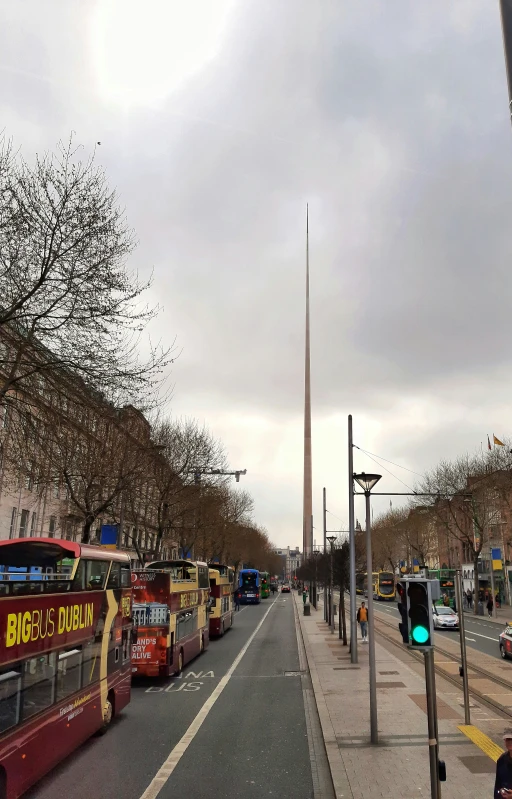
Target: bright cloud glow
[{"x": 143, "y": 51}]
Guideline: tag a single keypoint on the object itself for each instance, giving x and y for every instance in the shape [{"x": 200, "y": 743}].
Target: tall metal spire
[{"x": 307, "y": 519}]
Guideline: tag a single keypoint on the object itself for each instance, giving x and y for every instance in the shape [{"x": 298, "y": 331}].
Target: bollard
[{"x": 307, "y": 609}]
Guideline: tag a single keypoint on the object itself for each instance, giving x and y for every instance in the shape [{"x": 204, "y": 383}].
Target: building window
[
  {"x": 56, "y": 488},
  {"x": 12, "y": 531},
  {"x": 33, "y": 524},
  {"x": 51, "y": 527},
  {"x": 23, "y": 523}
]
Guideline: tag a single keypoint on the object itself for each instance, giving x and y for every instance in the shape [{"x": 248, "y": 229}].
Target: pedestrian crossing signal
[{"x": 402, "y": 609}]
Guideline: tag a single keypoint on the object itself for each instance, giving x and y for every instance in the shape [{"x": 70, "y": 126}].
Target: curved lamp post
[{"x": 367, "y": 482}]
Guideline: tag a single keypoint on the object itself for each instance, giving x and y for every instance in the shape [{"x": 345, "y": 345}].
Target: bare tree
[{"x": 68, "y": 300}]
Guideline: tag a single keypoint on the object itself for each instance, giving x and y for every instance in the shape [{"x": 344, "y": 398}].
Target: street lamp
[
  {"x": 367, "y": 482},
  {"x": 331, "y": 539}
]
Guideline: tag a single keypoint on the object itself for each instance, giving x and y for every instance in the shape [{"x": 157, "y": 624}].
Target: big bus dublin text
[
  {"x": 170, "y": 610},
  {"x": 65, "y": 647},
  {"x": 249, "y": 586},
  {"x": 222, "y": 580}
]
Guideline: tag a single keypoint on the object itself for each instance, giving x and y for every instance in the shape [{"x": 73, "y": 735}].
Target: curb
[{"x": 337, "y": 768}]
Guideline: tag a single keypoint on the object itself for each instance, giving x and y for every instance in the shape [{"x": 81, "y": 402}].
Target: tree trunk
[
  {"x": 477, "y": 584},
  {"x": 86, "y": 531}
]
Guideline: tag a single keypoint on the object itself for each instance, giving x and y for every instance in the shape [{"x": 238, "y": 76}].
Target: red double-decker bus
[
  {"x": 65, "y": 647},
  {"x": 222, "y": 581},
  {"x": 170, "y": 611}
]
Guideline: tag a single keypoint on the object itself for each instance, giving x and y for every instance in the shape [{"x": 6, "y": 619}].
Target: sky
[{"x": 218, "y": 121}]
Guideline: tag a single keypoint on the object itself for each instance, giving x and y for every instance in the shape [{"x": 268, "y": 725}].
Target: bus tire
[
  {"x": 201, "y": 645},
  {"x": 3, "y": 783},
  {"x": 222, "y": 629},
  {"x": 108, "y": 713},
  {"x": 180, "y": 662}
]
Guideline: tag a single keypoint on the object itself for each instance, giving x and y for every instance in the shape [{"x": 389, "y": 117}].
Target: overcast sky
[{"x": 218, "y": 121}]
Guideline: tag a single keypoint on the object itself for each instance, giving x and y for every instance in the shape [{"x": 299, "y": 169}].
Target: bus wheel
[
  {"x": 201, "y": 646},
  {"x": 180, "y": 662},
  {"x": 222, "y": 629},
  {"x": 108, "y": 714}
]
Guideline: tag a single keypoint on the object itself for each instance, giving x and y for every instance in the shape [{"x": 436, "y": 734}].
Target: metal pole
[
  {"x": 374, "y": 732},
  {"x": 493, "y": 594},
  {"x": 433, "y": 744},
  {"x": 326, "y": 612},
  {"x": 463, "y": 659},
  {"x": 331, "y": 613},
  {"x": 121, "y": 523},
  {"x": 352, "y": 541}
]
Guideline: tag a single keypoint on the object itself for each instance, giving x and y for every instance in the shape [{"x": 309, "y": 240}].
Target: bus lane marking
[
  {"x": 168, "y": 766},
  {"x": 156, "y": 689}
]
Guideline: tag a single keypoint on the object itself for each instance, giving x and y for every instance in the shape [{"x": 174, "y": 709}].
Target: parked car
[
  {"x": 505, "y": 641},
  {"x": 445, "y": 618}
]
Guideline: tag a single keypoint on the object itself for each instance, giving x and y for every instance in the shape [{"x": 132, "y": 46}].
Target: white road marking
[
  {"x": 491, "y": 638},
  {"x": 167, "y": 768},
  {"x": 471, "y": 639}
]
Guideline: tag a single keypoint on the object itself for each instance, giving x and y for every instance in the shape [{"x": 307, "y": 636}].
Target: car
[
  {"x": 505, "y": 641},
  {"x": 285, "y": 589},
  {"x": 445, "y": 618}
]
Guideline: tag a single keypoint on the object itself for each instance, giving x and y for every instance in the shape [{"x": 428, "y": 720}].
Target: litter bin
[{"x": 307, "y": 609}]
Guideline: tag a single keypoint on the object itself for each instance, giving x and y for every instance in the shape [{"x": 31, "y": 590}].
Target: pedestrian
[
  {"x": 362, "y": 618},
  {"x": 503, "y": 784},
  {"x": 305, "y": 595},
  {"x": 489, "y": 606},
  {"x": 237, "y": 600},
  {"x": 469, "y": 597}
]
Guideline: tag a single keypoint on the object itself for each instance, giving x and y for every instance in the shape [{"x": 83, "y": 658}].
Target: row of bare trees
[
  {"x": 75, "y": 390},
  {"x": 466, "y": 509}
]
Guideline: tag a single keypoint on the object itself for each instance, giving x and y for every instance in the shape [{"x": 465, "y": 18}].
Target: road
[
  {"x": 481, "y": 634},
  {"x": 254, "y": 738}
]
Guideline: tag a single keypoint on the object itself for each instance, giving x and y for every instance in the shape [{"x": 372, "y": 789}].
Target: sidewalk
[{"x": 399, "y": 766}]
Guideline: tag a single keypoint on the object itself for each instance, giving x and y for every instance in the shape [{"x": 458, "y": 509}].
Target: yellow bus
[{"x": 222, "y": 581}]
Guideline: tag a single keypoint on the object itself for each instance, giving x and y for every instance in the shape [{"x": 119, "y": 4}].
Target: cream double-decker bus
[
  {"x": 170, "y": 612},
  {"x": 222, "y": 581}
]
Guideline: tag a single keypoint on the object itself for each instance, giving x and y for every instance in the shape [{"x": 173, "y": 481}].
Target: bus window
[
  {"x": 10, "y": 686},
  {"x": 95, "y": 574},
  {"x": 114, "y": 578},
  {"x": 203, "y": 577},
  {"x": 126, "y": 576},
  {"x": 68, "y": 672},
  {"x": 79, "y": 578},
  {"x": 91, "y": 661},
  {"x": 38, "y": 682}
]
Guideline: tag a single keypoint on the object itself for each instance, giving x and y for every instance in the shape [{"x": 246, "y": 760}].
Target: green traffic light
[{"x": 420, "y": 634}]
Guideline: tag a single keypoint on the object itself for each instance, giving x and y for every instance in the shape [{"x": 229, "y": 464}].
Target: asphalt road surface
[{"x": 249, "y": 739}]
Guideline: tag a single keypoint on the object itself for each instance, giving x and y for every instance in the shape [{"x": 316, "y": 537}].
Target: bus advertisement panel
[
  {"x": 222, "y": 580},
  {"x": 249, "y": 586},
  {"x": 65, "y": 652},
  {"x": 170, "y": 610}
]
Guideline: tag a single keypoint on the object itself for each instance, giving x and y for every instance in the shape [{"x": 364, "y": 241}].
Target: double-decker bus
[
  {"x": 249, "y": 586},
  {"x": 65, "y": 652},
  {"x": 222, "y": 579},
  {"x": 373, "y": 586},
  {"x": 386, "y": 589},
  {"x": 170, "y": 611},
  {"x": 265, "y": 584},
  {"x": 446, "y": 579}
]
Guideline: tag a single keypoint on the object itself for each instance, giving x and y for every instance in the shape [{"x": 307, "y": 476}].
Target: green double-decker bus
[{"x": 265, "y": 584}]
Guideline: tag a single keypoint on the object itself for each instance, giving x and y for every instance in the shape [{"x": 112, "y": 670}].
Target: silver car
[{"x": 445, "y": 618}]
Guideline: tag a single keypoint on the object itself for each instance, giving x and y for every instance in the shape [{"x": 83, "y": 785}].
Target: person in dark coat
[{"x": 503, "y": 784}]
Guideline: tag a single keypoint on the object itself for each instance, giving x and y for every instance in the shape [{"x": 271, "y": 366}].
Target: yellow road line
[{"x": 481, "y": 740}]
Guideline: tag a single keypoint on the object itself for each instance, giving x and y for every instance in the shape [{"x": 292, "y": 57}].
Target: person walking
[
  {"x": 237, "y": 600},
  {"x": 304, "y": 595},
  {"x": 362, "y": 618},
  {"x": 469, "y": 597},
  {"x": 490, "y": 605},
  {"x": 503, "y": 783}
]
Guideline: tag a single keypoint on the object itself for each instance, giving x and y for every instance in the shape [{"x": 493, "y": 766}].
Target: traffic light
[
  {"x": 419, "y": 605},
  {"x": 402, "y": 609}
]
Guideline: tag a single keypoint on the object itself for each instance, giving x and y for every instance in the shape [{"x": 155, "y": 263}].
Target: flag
[
  {"x": 497, "y": 441},
  {"x": 488, "y": 443}
]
